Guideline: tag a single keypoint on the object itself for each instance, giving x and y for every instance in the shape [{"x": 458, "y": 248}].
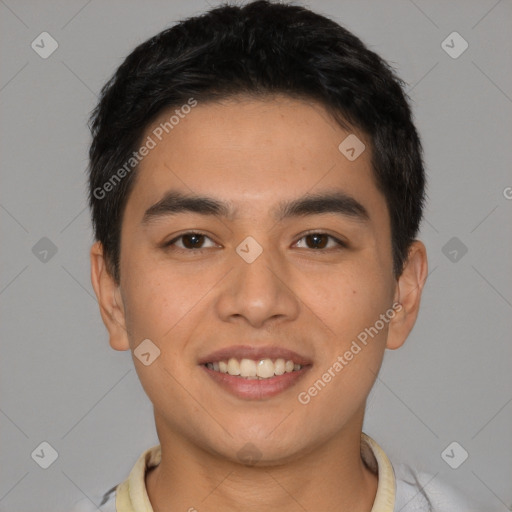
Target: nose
[{"x": 259, "y": 292}]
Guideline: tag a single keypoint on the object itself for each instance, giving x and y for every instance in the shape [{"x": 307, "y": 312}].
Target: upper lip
[{"x": 256, "y": 353}]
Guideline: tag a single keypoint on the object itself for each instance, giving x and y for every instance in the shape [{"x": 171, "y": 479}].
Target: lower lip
[{"x": 256, "y": 389}]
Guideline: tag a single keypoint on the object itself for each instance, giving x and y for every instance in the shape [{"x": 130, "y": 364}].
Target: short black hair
[{"x": 258, "y": 49}]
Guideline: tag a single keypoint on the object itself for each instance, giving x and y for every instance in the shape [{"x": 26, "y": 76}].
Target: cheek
[
  {"x": 162, "y": 305},
  {"x": 352, "y": 349},
  {"x": 165, "y": 302},
  {"x": 155, "y": 305},
  {"x": 349, "y": 300},
  {"x": 152, "y": 305}
]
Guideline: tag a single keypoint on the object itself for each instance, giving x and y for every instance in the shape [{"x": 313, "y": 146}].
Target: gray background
[{"x": 61, "y": 382}]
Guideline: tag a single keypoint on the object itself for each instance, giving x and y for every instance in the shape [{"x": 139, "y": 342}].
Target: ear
[
  {"x": 408, "y": 295},
  {"x": 109, "y": 299}
]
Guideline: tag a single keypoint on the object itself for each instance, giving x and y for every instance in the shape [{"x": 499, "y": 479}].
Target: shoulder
[
  {"x": 106, "y": 503},
  {"x": 417, "y": 491}
]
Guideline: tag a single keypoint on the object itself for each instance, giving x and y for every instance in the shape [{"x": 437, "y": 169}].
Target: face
[{"x": 289, "y": 259}]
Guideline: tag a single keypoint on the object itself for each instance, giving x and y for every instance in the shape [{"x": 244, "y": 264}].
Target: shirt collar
[{"x": 132, "y": 496}]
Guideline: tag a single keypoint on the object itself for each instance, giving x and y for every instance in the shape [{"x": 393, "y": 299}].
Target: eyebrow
[{"x": 336, "y": 202}]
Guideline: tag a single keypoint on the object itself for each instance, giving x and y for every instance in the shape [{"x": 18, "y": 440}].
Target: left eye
[{"x": 319, "y": 241}]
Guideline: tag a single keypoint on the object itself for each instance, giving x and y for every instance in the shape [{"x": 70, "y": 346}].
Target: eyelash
[{"x": 171, "y": 243}]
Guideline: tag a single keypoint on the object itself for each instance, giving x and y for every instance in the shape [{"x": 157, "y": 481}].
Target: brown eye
[
  {"x": 190, "y": 241},
  {"x": 319, "y": 241},
  {"x": 193, "y": 241}
]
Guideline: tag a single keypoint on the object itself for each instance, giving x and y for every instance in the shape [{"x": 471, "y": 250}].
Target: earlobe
[
  {"x": 109, "y": 299},
  {"x": 409, "y": 288}
]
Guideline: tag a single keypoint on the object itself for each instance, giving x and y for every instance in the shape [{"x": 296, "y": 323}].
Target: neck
[{"x": 330, "y": 476}]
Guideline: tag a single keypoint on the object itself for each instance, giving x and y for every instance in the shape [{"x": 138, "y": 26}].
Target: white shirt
[{"x": 399, "y": 488}]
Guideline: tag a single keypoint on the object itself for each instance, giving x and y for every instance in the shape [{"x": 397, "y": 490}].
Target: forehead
[{"x": 251, "y": 151}]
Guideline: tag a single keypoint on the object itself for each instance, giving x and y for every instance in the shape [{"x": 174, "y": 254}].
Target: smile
[{"x": 254, "y": 369}]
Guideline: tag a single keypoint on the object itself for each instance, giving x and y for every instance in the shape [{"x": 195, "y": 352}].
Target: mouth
[{"x": 255, "y": 373}]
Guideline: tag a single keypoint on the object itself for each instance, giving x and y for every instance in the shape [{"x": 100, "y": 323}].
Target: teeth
[
  {"x": 247, "y": 368},
  {"x": 265, "y": 368},
  {"x": 279, "y": 367},
  {"x": 251, "y": 369},
  {"x": 233, "y": 367}
]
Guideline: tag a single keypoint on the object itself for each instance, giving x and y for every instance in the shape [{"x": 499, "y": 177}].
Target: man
[{"x": 256, "y": 185}]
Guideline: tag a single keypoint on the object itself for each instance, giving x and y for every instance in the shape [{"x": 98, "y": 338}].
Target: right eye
[{"x": 190, "y": 241}]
